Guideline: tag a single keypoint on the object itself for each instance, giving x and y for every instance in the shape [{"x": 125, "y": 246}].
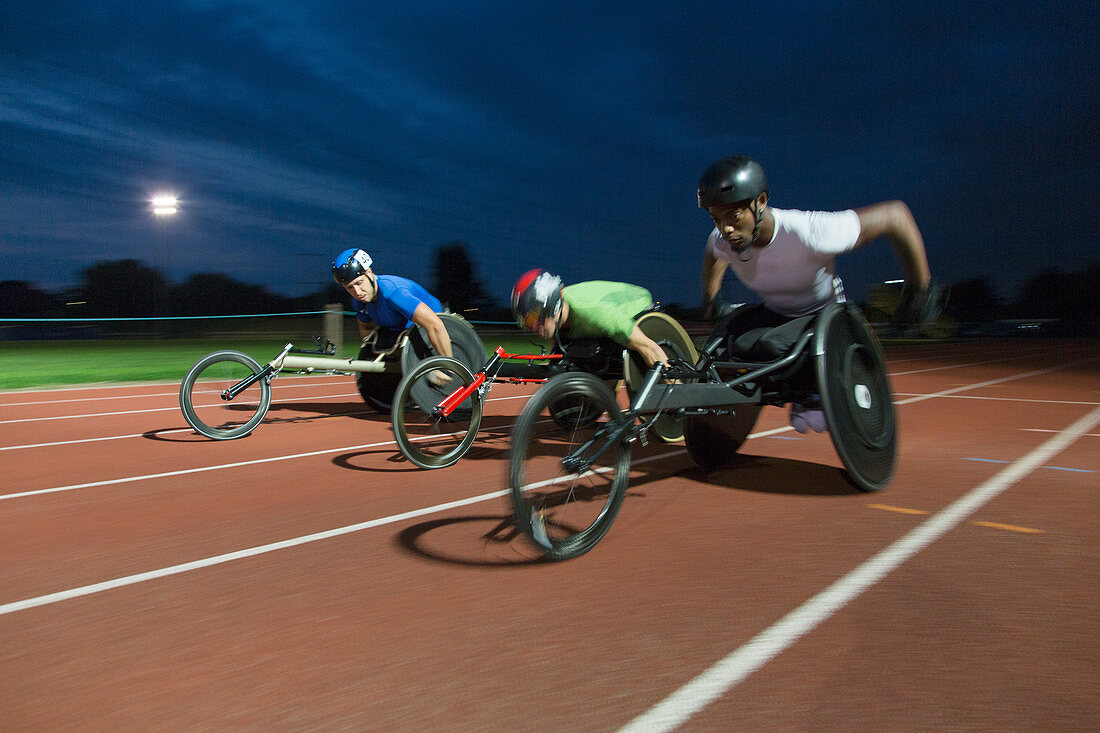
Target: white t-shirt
[{"x": 794, "y": 273}]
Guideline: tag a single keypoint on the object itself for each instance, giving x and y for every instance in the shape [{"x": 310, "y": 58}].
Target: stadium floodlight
[{"x": 165, "y": 204}]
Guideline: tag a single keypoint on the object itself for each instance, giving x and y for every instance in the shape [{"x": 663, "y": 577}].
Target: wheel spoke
[{"x": 562, "y": 511}]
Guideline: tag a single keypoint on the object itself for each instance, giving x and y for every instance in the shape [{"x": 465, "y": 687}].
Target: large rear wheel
[
  {"x": 856, "y": 397},
  {"x": 712, "y": 440},
  {"x": 377, "y": 388},
  {"x": 676, "y": 343}
]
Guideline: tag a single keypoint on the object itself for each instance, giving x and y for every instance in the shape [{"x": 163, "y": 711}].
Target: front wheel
[
  {"x": 425, "y": 437},
  {"x": 201, "y": 400},
  {"x": 565, "y": 491}
]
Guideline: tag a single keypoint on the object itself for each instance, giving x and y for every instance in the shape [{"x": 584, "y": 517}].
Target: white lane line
[
  {"x": 945, "y": 367},
  {"x": 269, "y": 421},
  {"x": 91, "y": 440},
  {"x": 979, "y": 385},
  {"x": 282, "y": 385},
  {"x": 724, "y": 675},
  {"x": 919, "y": 398},
  {"x": 161, "y": 409},
  {"x": 186, "y": 471},
  {"x": 90, "y": 414},
  {"x": 1004, "y": 399},
  {"x": 263, "y": 549},
  {"x": 202, "y": 469},
  {"x": 999, "y": 360}
]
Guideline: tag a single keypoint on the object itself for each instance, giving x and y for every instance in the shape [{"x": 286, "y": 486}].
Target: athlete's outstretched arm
[
  {"x": 649, "y": 349},
  {"x": 433, "y": 326},
  {"x": 713, "y": 271},
  {"x": 893, "y": 220}
]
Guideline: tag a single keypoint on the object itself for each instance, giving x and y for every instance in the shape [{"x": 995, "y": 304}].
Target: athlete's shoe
[{"x": 804, "y": 419}]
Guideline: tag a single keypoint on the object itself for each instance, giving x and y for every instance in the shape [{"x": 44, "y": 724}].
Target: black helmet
[
  {"x": 350, "y": 264},
  {"x": 536, "y": 296},
  {"x": 730, "y": 180}
]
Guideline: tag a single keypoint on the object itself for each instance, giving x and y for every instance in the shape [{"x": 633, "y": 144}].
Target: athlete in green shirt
[{"x": 593, "y": 309}]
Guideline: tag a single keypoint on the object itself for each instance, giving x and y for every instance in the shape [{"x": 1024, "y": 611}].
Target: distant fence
[
  {"x": 254, "y": 324},
  {"x": 333, "y": 323}
]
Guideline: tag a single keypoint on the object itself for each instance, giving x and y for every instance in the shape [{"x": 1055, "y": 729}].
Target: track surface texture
[{"x": 306, "y": 577}]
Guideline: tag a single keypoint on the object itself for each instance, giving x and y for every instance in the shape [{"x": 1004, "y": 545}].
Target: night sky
[{"x": 566, "y": 135}]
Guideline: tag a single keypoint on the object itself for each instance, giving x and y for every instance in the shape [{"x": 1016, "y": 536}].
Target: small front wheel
[
  {"x": 426, "y": 437},
  {"x": 202, "y": 390},
  {"x": 565, "y": 490}
]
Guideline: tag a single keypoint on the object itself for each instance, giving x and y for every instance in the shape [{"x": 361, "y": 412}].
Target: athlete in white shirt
[{"x": 787, "y": 258}]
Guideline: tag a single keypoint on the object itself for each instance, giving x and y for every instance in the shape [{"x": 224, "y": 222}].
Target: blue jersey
[{"x": 397, "y": 298}]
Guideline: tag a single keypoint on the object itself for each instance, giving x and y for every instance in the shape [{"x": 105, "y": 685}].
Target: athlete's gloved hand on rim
[
  {"x": 919, "y": 306},
  {"x": 716, "y": 310}
]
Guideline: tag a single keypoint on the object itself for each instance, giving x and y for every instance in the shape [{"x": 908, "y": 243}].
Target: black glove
[
  {"x": 716, "y": 310},
  {"x": 919, "y": 306}
]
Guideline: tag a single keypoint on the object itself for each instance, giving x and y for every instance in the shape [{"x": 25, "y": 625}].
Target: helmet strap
[{"x": 758, "y": 219}]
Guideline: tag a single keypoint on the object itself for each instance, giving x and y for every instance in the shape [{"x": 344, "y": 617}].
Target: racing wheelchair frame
[
  {"x": 437, "y": 408},
  {"x": 568, "y": 473},
  {"x": 226, "y": 394}
]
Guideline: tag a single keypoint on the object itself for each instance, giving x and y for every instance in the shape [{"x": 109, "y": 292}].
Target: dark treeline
[{"x": 129, "y": 288}]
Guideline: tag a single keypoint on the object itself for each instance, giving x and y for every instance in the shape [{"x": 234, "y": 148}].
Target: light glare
[{"x": 164, "y": 205}]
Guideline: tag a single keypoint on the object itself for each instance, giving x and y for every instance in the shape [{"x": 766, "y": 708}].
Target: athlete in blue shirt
[{"x": 388, "y": 301}]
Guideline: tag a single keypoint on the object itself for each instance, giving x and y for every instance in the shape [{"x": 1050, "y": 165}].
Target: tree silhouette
[
  {"x": 19, "y": 300},
  {"x": 212, "y": 294},
  {"x": 122, "y": 288},
  {"x": 455, "y": 282},
  {"x": 1073, "y": 297},
  {"x": 973, "y": 301}
]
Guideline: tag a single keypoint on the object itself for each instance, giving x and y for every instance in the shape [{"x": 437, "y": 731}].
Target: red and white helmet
[{"x": 536, "y": 297}]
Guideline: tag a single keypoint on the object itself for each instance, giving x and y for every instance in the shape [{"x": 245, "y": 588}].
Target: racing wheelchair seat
[{"x": 836, "y": 362}]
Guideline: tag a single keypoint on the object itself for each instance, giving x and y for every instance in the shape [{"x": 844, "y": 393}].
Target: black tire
[
  {"x": 427, "y": 440},
  {"x": 712, "y": 441},
  {"x": 564, "y": 514},
  {"x": 466, "y": 345},
  {"x": 671, "y": 337},
  {"x": 856, "y": 397},
  {"x": 201, "y": 402},
  {"x": 377, "y": 388}
]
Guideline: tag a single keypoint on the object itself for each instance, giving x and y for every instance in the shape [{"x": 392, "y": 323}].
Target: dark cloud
[{"x": 540, "y": 135}]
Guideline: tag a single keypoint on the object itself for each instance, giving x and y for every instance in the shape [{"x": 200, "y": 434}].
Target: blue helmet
[{"x": 350, "y": 264}]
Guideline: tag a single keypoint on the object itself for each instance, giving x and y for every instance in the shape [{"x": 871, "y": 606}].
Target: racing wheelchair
[
  {"x": 568, "y": 474},
  {"x": 226, "y": 394},
  {"x": 437, "y": 407}
]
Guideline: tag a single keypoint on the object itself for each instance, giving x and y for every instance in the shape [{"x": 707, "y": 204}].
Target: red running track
[{"x": 305, "y": 577}]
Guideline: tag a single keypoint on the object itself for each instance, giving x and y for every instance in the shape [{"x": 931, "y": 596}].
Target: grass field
[{"x": 25, "y": 364}]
